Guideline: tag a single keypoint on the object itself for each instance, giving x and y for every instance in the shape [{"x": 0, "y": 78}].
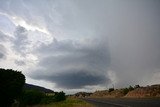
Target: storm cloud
[
  {"x": 78, "y": 43},
  {"x": 85, "y": 63},
  {"x": 73, "y": 79}
]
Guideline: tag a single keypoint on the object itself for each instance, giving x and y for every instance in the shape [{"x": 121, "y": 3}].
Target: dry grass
[
  {"x": 145, "y": 92},
  {"x": 106, "y": 94}
]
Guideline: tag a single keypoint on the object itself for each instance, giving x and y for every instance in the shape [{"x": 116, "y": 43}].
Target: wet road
[{"x": 124, "y": 102}]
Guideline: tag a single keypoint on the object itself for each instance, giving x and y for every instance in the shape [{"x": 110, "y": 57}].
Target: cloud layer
[
  {"x": 74, "y": 65},
  {"x": 76, "y": 44}
]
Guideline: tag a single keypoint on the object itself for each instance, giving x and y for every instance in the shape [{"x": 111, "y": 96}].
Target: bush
[
  {"x": 60, "y": 96},
  {"x": 125, "y": 91},
  {"x": 11, "y": 85},
  {"x": 130, "y": 88},
  {"x": 48, "y": 99},
  {"x": 31, "y": 97},
  {"x": 136, "y": 86},
  {"x": 111, "y": 89}
]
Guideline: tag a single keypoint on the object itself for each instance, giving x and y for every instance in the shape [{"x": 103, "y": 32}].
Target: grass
[{"x": 69, "y": 102}]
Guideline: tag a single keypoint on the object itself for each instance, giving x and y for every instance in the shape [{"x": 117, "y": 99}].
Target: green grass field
[{"x": 69, "y": 102}]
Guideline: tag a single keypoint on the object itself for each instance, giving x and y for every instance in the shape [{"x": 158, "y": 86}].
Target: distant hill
[
  {"x": 117, "y": 93},
  {"x": 42, "y": 89},
  {"x": 152, "y": 91},
  {"x": 82, "y": 94}
]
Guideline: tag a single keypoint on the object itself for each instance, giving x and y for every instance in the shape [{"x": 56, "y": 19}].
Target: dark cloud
[
  {"x": 58, "y": 47},
  {"x": 73, "y": 79},
  {"x": 66, "y": 59},
  {"x": 130, "y": 47}
]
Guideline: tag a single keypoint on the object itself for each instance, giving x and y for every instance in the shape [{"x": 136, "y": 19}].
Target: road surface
[{"x": 124, "y": 102}]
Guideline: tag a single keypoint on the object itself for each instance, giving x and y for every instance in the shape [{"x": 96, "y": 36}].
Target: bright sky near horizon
[{"x": 81, "y": 45}]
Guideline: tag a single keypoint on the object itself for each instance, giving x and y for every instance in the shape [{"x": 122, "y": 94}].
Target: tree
[
  {"x": 130, "y": 88},
  {"x": 136, "y": 86},
  {"x": 60, "y": 96},
  {"x": 125, "y": 91},
  {"x": 11, "y": 86},
  {"x": 111, "y": 89}
]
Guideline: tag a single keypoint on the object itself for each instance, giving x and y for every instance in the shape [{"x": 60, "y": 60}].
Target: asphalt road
[{"x": 124, "y": 102}]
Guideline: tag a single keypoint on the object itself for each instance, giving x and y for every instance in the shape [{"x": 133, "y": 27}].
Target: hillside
[
  {"x": 130, "y": 92},
  {"x": 42, "y": 89},
  {"x": 143, "y": 92},
  {"x": 106, "y": 94}
]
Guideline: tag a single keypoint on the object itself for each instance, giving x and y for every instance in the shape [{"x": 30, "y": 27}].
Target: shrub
[
  {"x": 130, "y": 88},
  {"x": 125, "y": 91},
  {"x": 136, "y": 86},
  {"x": 11, "y": 85},
  {"x": 48, "y": 99},
  {"x": 111, "y": 89},
  {"x": 31, "y": 97},
  {"x": 60, "y": 96}
]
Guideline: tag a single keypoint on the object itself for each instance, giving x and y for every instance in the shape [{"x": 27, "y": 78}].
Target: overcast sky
[{"x": 81, "y": 45}]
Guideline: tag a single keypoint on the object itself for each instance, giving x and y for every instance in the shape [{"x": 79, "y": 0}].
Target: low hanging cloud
[
  {"x": 74, "y": 79},
  {"x": 69, "y": 64}
]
